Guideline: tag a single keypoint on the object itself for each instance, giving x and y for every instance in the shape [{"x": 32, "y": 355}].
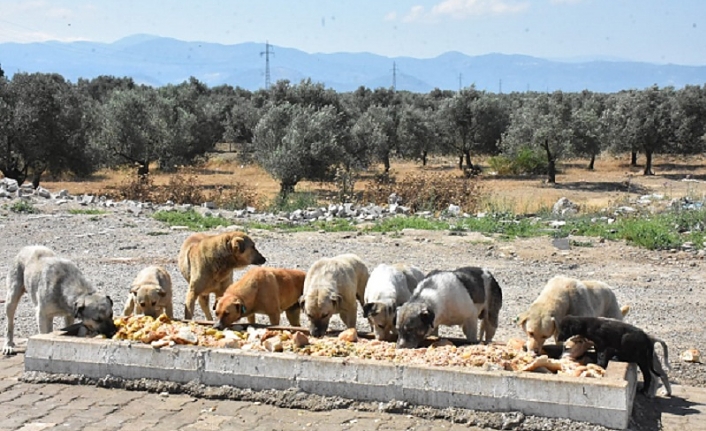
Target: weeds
[
  {"x": 86, "y": 211},
  {"x": 293, "y": 201},
  {"x": 24, "y": 207},
  {"x": 428, "y": 191}
]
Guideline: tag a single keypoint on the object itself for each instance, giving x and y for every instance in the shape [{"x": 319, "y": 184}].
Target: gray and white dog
[
  {"x": 389, "y": 286},
  {"x": 458, "y": 297},
  {"x": 57, "y": 289}
]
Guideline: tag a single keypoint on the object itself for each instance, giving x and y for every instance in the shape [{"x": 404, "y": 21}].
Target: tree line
[{"x": 307, "y": 131}]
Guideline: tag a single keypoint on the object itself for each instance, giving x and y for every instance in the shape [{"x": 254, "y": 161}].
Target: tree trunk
[
  {"x": 551, "y": 164},
  {"x": 592, "y": 162},
  {"x": 386, "y": 162},
  {"x": 36, "y": 178},
  {"x": 648, "y": 163},
  {"x": 424, "y": 158},
  {"x": 460, "y": 162},
  {"x": 467, "y": 154},
  {"x": 285, "y": 188},
  {"x": 143, "y": 168},
  {"x": 633, "y": 158}
]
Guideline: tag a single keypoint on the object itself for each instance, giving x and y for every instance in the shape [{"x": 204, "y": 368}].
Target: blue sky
[{"x": 656, "y": 31}]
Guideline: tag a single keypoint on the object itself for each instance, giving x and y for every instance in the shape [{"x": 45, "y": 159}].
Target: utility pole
[
  {"x": 460, "y": 82},
  {"x": 500, "y": 87},
  {"x": 267, "y": 52},
  {"x": 394, "y": 76}
]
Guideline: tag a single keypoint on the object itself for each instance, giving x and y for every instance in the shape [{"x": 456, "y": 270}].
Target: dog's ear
[
  {"x": 367, "y": 309},
  {"x": 79, "y": 306},
  {"x": 239, "y": 243},
  {"x": 215, "y": 304},
  {"x": 109, "y": 300},
  {"x": 336, "y": 301},
  {"x": 302, "y": 302},
  {"x": 391, "y": 311},
  {"x": 162, "y": 294},
  {"x": 427, "y": 317}
]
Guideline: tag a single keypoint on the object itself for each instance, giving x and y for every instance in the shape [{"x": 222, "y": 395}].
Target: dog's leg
[
  {"x": 14, "y": 293},
  {"x": 45, "y": 323},
  {"x": 470, "y": 328},
  {"x": 129, "y": 307},
  {"x": 646, "y": 377},
  {"x": 293, "y": 314},
  {"x": 190, "y": 303},
  {"x": 203, "y": 303},
  {"x": 657, "y": 366},
  {"x": 349, "y": 318},
  {"x": 274, "y": 318},
  {"x": 169, "y": 310}
]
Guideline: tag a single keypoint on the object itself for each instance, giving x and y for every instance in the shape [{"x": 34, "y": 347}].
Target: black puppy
[{"x": 613, "y": 338}]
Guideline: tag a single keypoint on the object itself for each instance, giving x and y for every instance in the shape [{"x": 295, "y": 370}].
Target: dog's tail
[
  {"x": 666, "y": 351},
  {"x": 624, "y": 310}
]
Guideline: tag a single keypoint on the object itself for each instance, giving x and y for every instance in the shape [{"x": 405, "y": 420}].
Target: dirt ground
[{"x": 612, "y": 182}]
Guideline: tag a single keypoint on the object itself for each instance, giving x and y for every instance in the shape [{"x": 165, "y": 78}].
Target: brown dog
[
  {"x": 207, "y": 263},
  {"x": 150, "y": 294},
  {"x": 563, "y": 296},
  {"x": 264, "y": 291}
]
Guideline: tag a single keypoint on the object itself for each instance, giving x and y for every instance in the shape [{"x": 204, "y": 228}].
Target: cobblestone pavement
[{"x": 38, "y": 407}]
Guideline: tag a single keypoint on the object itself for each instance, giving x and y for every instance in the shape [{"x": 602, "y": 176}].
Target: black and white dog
[
  {"x": 612, "y": 337},
  {"x": 459, "y": 297}
]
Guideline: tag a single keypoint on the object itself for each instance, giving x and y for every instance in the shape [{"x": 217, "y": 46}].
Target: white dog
[
  {"x": 564, "y": 296},
  {"x": 332, "y": 286},
  {"x": 389, "y": 286},
  {"x": 57, "y": 289}
]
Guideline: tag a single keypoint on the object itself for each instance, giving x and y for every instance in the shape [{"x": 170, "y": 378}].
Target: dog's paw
[{"x": 9, "y": 349}]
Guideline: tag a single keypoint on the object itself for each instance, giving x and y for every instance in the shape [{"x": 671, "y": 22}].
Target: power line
[{"x": 268, "y": 50}]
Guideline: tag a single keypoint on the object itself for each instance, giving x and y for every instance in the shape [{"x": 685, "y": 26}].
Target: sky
[{"x": 654, "y": 31}]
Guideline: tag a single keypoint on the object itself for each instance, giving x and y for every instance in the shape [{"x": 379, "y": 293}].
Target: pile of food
[{"x": 163, "y": 332}]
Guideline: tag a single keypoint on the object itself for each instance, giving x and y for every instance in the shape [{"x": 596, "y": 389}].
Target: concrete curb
[{"x": 607, "y": 401}]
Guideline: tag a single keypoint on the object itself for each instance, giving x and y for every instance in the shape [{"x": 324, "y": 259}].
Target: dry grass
[{"x": 613, "y": 181}]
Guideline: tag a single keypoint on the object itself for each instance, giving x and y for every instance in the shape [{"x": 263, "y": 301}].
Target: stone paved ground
[{"x": 37, "y": 407}]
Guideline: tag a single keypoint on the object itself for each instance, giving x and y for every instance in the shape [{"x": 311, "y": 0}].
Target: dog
[
  {"x": 264, "y": 291},
  {"x": 332, "y": 286},
  {"x": 459, "y": 297},
  {"x": 389, "y": 286},
  {"x": 150, "y": 294},
  {"x": 577, "y": 346},
  {"x": 563, "y": 296},
  {"x": 611, "y": 337},
  {"x": 57, "y": 289},
  {"x": 207, "y": 263}
]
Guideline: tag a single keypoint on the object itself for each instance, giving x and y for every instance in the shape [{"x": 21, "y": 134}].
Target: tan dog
[
  {"x": 263, "y": 291},
  {"x": 331, "y": 287},
  {"x": 150, "y": 294},
  {"x": 564, "y": 296},
  {"x": 207, "y": 263}
]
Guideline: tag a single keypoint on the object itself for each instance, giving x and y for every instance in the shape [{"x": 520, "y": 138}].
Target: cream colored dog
[
  {"x": 150, "y": 294},
  {"x": 332, "y": 286},
  {"x": 564, "y": 296},
  {"x": 262, "y": 290},
  {"x": 207, "y": 263}
]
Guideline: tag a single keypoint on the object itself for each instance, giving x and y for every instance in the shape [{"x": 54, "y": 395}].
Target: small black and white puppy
[{"x": 611, "y": 338}]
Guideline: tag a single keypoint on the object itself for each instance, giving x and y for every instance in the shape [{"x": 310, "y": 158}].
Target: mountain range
[{"x": 158, "y": 61}]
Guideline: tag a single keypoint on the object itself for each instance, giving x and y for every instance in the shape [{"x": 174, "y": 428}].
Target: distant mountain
[{"x": 158, "y": 61}]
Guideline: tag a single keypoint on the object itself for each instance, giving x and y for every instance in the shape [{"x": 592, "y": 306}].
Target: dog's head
[
  {"x": 228, "y": 310},
  {"x": 414, "y": 322},
  {"x": 96, "y": 313},
  {"x": 570, "y": 326},
  {"x": 147, "y": 298},
  {"x": 382, "y": 318},
  {"x": 243, "y": 249},
  {"x": 577, "y": 346},
  {"x": 538, "y": 327},
  {"x": 319, "y": 305}
]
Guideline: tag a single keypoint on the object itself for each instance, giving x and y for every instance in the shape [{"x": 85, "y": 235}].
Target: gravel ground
[{"x": 665, "y": 290}]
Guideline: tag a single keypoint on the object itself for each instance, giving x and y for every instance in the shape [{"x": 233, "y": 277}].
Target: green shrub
[
  {"x": 23, "y": 206},
  {"x": 191, "y": 219},
  {"x": 294, "y": 201},
  {"x": 527, "y": 161}
]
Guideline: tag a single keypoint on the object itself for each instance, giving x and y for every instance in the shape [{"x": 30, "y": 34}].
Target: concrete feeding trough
[{"x": 606, "y": 401}]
